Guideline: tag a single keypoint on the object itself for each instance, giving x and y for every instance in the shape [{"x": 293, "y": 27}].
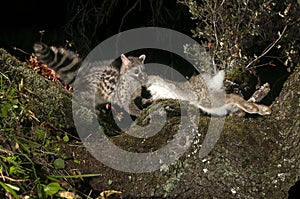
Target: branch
[
  {"x": 267, "y": 49},
  {"x": 128, "y": 11}
]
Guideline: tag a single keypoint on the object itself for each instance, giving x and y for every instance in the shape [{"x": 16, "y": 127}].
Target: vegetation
[
  {"x": 31, "y": 161},
  {"x": 24, "y": 144},
  {"x": 237, "y": 34}
]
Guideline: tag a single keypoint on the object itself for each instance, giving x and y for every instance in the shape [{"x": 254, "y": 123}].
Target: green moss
[
  {"x": 48, "y": 101},
  {"x": 31, "y": 114}
]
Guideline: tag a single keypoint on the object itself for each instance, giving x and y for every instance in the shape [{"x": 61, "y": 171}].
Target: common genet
[{"x": 98, "y": 83}]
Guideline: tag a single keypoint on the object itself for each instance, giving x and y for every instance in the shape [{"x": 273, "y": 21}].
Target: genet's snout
[{"x": 143, "y": 77}]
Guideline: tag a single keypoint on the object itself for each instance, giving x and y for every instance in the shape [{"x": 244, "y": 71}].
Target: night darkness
[{"x": 21, "y": 22}]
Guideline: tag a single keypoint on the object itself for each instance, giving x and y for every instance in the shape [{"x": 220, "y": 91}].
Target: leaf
[
  {"x": 14, "y": 101},
  {"x": 107, "y": 193},
  {"x": 68, "y": 195},
  {"x": 59, "y": 163},
  {"x": 66, "y": 138},
  {"x": 4, "y": 110},
  {"x": 9, "y": 189},
  {"x": 110, "y": 182},
  {"x": 52, "y": 188}
]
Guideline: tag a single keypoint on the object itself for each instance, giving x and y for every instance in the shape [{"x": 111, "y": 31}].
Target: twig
[
  {"x": 6, "y": 151},
  {"x": 22, "y": 51},
  {"x": 260, "y": 93},
  {"x": 5, "y": 77},
  {"x": 268, "y": 48},
  {"x": 125, "y": 15},
  {"x": 12, "y": 180}
]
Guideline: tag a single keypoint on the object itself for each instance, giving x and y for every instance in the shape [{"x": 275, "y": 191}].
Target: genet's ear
[
  {"x": 125, "y": 60},
  {"x": 142, "y": 58}
]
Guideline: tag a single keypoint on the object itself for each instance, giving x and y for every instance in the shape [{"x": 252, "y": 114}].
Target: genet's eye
[{"x": 136, "y": 71}]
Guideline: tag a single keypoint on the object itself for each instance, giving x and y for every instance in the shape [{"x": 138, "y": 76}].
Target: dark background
[{"x": 21, "y": 21}]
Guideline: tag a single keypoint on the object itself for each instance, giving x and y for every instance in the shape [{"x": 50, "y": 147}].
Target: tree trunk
[{"x": 254, "y": 157}]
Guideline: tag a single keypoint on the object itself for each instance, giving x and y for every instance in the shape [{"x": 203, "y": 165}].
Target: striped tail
[{"x": 65, "y": 63}]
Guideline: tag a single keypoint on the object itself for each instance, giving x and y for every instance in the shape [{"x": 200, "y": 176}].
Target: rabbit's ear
[
  {"x": 249, "y": 107},
  {"x": 263, "y": 109}
]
